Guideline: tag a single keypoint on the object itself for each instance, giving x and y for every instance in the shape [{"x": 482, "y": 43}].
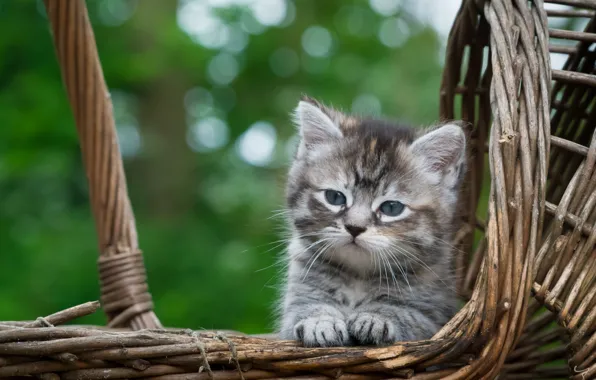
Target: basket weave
[{"x": 530, "y": 284}]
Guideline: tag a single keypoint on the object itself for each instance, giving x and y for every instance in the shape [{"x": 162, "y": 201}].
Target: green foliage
[{"x": 204, "y": 216}]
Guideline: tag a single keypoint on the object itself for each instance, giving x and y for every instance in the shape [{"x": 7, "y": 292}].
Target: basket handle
[{"x": 124, "y": 291}]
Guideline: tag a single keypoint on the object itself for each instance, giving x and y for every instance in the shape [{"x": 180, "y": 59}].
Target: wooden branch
[{"x": 67, "y": 315}]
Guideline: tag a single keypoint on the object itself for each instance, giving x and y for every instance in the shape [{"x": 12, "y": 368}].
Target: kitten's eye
[
  {"x": 335, "y": 198},
  {"x": 392, "y": 208}
]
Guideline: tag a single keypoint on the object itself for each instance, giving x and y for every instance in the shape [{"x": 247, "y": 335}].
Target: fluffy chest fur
[{"x": 352, "y": 292}]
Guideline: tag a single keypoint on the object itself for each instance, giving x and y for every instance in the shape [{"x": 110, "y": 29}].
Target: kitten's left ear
[
  {"x": 441, "y": 153},
  {"x": 315, "y": 123}
]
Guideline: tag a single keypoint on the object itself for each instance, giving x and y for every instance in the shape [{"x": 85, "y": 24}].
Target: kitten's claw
[
  {"x": 367, "y": 328},
  {"x": 323, "y": 331}
]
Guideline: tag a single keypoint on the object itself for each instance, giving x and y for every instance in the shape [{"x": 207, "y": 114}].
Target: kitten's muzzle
[{"x": 355, "y": 230}]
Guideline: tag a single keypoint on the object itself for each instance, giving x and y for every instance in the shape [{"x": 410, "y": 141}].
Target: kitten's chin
[{"x": 353, "y": 256}]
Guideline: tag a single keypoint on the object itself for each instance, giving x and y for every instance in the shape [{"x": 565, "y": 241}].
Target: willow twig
[{"x": 67, "y": 315}]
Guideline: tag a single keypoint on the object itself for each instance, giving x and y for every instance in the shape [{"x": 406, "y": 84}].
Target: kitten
[{"x": 371, "y": 206}]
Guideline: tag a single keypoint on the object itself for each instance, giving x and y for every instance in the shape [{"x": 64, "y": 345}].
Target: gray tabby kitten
[{"x": 372, "y": 209}]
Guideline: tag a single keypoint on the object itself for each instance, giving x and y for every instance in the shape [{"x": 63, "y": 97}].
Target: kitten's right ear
[
  {"x": 314, "y": 125},
  {"x": 441, "y": 153}
]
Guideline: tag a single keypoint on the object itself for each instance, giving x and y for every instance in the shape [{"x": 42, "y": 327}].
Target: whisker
[
  {"x": 315, "y": 257},
  {"x": 388, "y": 256},
  {"x": 444, "y": 243},
  {"x": 285, "y": 240},
  {"x": 415, "y": 258},
  {"x": 292, "y": 256},
  {"x": 278, "y": 213},
  {"x": 412, "y": 256},
  {"x": 401, "y": 269},
  {"x": 387, "y": 268},
  {"x": 284, "y": 264},
  {"x": 374, "y": 257}
]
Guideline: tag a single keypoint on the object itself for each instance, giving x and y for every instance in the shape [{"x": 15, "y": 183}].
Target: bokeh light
[
  {"x": 269, "y": 12},
  {"x": 198, "y": 20},
  {"x": 250, "y": 24},
  {"x": 207, "y": 134},
  {"x": 393, "y": 32},
  {"x": 129, "y": 140},
  {"x": 257, "y": 145},
  {"x": 223, "y": 69},
  {"x": 386, "y": 7},
  {"x": 317, "y": 41},
  {"x": 366, "y": 105},
  {"x": 237, "y": 39},
  {"x": 198, "y": 102},
  {"x": 355, "y": 20},
  {"x": 116, "y": 12}
]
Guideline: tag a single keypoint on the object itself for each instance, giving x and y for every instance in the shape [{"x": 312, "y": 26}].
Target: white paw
[
  {"x": 367, "y": 328},
  {"x": 323, "y": 331}
]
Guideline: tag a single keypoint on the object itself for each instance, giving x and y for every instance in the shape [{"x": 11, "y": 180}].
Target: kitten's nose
[{"x": 355, "y": 230}]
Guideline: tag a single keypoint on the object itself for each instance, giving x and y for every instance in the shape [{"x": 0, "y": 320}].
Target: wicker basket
[{"x": 530, "y": 285}]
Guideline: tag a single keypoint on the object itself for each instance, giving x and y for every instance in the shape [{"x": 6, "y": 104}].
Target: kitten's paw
[
  {"x": 324, "y": 331},
  {"x": 367, "y": 328}
]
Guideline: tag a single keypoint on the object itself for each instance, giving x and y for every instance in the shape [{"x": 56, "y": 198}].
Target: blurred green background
[{"x": 202, "y": 92}]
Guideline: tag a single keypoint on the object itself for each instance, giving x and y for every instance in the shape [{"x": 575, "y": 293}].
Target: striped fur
[{"x": 394, "y": 281}]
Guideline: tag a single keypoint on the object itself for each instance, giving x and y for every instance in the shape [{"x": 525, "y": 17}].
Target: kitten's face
[{"x": 364, "y": 192}]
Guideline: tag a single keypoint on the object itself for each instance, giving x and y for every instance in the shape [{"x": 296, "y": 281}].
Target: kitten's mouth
[{"x": 354, "y": 242}]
